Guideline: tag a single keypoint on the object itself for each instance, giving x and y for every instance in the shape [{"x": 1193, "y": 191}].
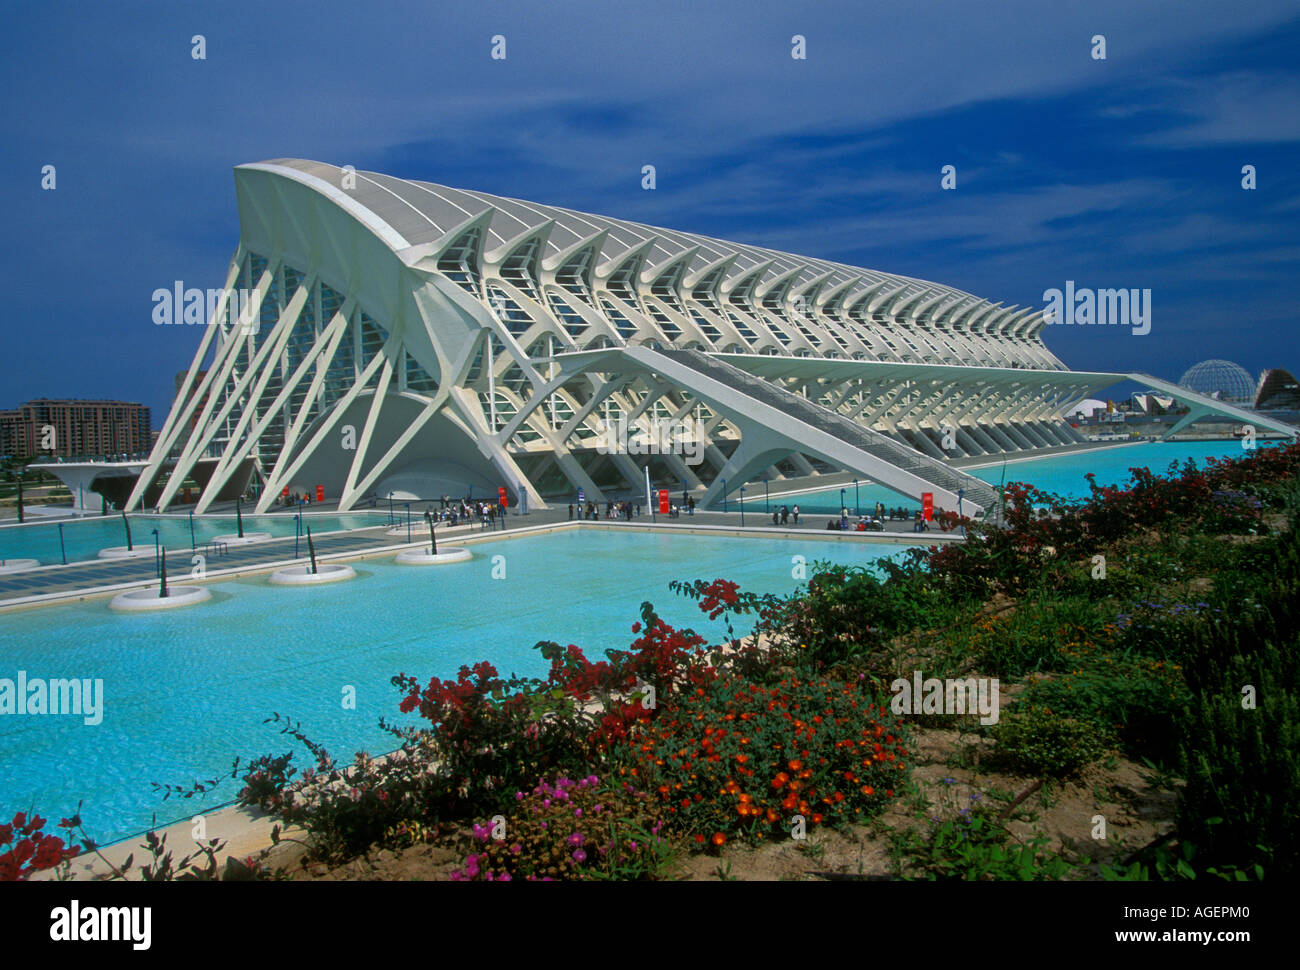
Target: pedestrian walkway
[{"x": 97, "y": 575}]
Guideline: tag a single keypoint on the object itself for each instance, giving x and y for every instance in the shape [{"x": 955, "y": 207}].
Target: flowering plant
[{"x": 739, "y": 759}]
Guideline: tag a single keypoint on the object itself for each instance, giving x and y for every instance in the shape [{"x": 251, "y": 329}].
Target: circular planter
[
  {"x": 148, "y": 600},
  {"x": 249, "y": 537},
  {"x": 17, "y": 565},
  {"x": 122, "y": 552},
  {"x": 422, "y": 557},
  {"x": 303, "y": 576}
]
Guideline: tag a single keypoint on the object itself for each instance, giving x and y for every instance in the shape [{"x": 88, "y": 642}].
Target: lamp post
[
  {"x": 192, "y": 543},
  {"x": 857, "y": 505},
  {"x": 156, "y": 547},
  {"x": 742, "y": 506},
  {"x": 433, "y": 541},
  {"x": 391, "y": 520},
  {"x": 724, "y": 495},
  {"x": 767, "y": 505},
  {"x": 842, "y": 491},
  {"x": 408, "y": 521},
  {"x": 63, "y": 550}
]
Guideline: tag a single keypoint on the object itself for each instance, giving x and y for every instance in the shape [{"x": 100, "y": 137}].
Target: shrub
[
  {"x": 1242, "y": 766},
  {"x": 1036, "y": 741},
  {"x": 571, "y": 830},
  {"x": 1137, "y": 699},
  {"x": 1037, "y": 636},
  {"x": 29, "y": 849},
  {"x": 849, "y": 610},
  {"x": 740, "y": 759},
  {"x": 974, "y": 847},
  {"x": 492, "y": 734}
]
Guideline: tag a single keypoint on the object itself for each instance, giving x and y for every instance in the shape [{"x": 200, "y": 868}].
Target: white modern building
[{"x": 378, "y": 335}]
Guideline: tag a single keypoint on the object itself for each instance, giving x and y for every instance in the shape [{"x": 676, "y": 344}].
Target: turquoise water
[
  {"x": 83, "y": 538},
  {"x": 185, "y": 692},
  {"x": 1062, "y": 474}
]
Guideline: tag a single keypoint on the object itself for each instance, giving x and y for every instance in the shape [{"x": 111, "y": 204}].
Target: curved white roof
[{"x": 423, "y": 212}]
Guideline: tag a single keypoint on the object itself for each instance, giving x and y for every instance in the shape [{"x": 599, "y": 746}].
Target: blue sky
[{"x": 1117, "y": 173}]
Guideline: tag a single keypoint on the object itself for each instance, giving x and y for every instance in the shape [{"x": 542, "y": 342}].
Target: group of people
[
  {"x": 782, "y": 515},
  {"x": 624, "y": 510},
  {"x": 613, "y": 510},
  {"x": 466, "y": 510},
  {"x": 875, "y": 522}
]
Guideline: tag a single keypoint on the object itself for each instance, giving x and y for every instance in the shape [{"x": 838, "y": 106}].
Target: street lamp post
[
  {"x": 767, "y": 505},
  {"x": 156, "y": 547},
  {"x": 724, "y": 495},
  {"x": 842, "y": 491},
  {"x": 433, "y": 541},
  {"x": 857, "y": 505},
  {"x": 192, "y": 543},
  {"x": 742, "y": 506},
  {"x": 408, "y": 521}
]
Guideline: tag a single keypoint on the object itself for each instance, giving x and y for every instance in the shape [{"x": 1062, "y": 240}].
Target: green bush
[
  {"x": 1037, "y": 741},
  {"x": 1037, "y": 635},
  {"x": 1242, "y": 766},
  {"x": 974, "y": 847},
  {"x": 1137, "y": 699}
]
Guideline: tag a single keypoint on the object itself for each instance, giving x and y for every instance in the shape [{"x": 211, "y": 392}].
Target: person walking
[
  {"x": 785, "y": 514},
  {"x": 795, "y": 513},
  {"x": 690, "y": 506}
]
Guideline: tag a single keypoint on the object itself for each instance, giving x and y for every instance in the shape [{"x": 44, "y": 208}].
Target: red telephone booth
[{"x": 320, "y": 493}]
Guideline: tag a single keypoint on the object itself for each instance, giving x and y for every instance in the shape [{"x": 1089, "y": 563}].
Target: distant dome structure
[{"x": 1221, "y": 379}]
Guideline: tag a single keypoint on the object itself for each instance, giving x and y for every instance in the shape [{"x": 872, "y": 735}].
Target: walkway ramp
[
  {"x": 775, "y": 422},
  {"x": 1202, "y": 404}
]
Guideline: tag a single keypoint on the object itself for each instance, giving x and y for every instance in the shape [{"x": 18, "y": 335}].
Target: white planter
[
  {"x": 249, "y": 537},
  {"x": 17, "y": 565},
  {"x": 122, "y": 552},
  {"x": 422, "y": 557},
  {"x": 148, "y": 600},
  {"x": 303, "y": 576}
]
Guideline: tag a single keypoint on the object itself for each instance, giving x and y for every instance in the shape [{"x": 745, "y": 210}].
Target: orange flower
[
  {"x": 699, "y": 837},
  {"x": 742, "y": 758},
  {"x": 868, "y": 790},
  {"x": 795, "y": 765},
  {"x": 817, "y": 818},
  {"x": 719, "y": 838}
]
